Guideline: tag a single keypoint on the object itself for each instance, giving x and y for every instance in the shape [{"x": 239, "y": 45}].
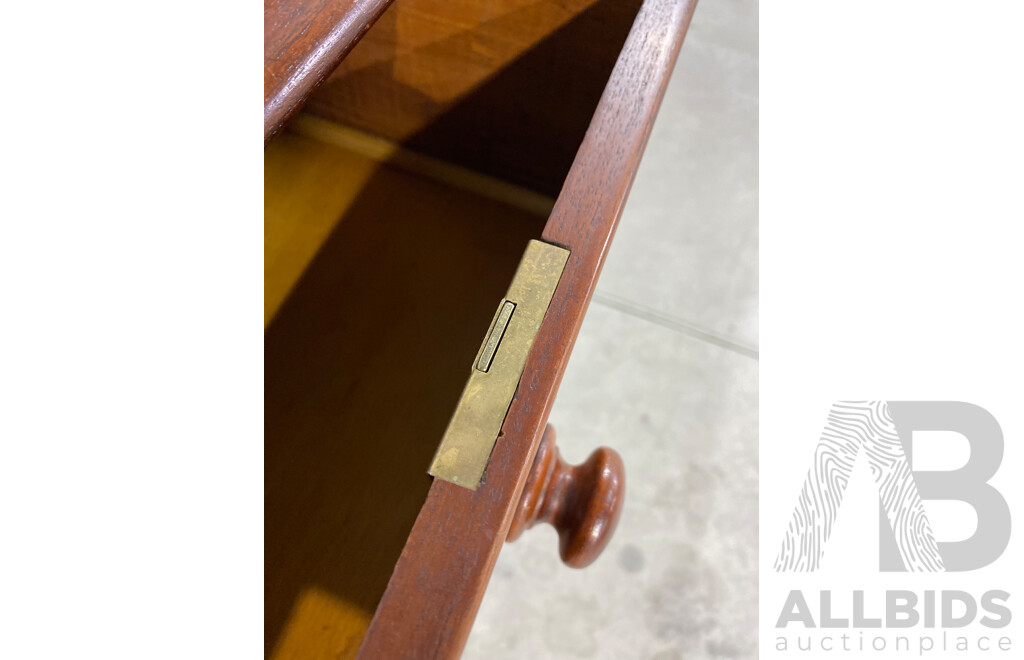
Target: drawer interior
[
  {"x": 391, "y": 233},
  {"x": 365, "y": 358}
]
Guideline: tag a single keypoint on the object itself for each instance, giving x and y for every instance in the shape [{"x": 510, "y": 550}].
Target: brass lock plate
[{"x": 469, "y": 439}]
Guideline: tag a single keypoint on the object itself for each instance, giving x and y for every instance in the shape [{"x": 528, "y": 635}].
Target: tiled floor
[{"x": 665, "y": 371}]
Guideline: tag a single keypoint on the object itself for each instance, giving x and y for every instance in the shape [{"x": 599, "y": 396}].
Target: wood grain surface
[
  {"x": 434, "y": 593},
  {"x": 504, "y": 87},
  {"x": 303, "y": 41}
]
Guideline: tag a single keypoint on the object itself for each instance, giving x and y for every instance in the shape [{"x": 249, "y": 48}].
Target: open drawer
[{"x": 397, "y": 208}]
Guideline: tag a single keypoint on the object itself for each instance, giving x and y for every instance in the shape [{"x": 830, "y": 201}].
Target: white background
[
  {"x": 131, "y": 341},
  {"x": 892, "y": 144}
]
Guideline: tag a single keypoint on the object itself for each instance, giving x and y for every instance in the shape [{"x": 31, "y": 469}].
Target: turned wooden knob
[{"x": 583, "y": 502}]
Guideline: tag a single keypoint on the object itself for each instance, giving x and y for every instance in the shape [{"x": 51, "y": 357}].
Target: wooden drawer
[{"x": 397, "y": 206}]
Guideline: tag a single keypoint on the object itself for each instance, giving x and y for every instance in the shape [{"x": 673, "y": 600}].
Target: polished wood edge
[
  {"x": 434, "y": 593},
  {"x": 385, "y": 151},
  {"x": 306, "y": 60}
]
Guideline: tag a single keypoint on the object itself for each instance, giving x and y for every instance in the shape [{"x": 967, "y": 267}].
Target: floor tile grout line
[{"x": 646, "y": 313}]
